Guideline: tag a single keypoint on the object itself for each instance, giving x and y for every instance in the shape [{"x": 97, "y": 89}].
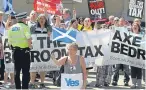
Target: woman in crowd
[
  {"x": 136, "y": 73},
  {"x": 8, "y": 24},
  {"x": 40, "y": 27},
  {"x": 136, "y": 20},
  {"x": 53, "y": 20},
  {"x": 87, "y": 25},
  {"x": 73, "y": 25},
  {"x": 73, "y": 63},
  {"x": 80, "y": 22}
]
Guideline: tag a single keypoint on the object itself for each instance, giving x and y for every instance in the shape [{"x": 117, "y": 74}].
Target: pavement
[{"x": 91, "y": 80}]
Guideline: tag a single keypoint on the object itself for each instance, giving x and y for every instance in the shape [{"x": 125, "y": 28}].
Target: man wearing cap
[{"x": 20, "y": 40}]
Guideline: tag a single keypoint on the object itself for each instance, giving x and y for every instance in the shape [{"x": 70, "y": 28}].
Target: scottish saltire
[
  {"x": 67, "y": 36},
  {"x": 8, "y": 7}
]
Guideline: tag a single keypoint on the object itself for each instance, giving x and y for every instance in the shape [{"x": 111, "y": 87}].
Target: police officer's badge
[{"x": 15, "y": 28}]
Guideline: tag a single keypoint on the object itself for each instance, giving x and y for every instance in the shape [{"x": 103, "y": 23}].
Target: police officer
[{"x": 20, "y": 40}]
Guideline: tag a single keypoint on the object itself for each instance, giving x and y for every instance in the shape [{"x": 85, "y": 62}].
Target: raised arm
[
  {"x": 8, "y": 22},
  {"x": 59, "y": 62}
]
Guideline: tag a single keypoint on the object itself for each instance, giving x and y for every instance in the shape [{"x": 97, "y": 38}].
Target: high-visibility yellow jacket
[{"x": 18, "y": 35}]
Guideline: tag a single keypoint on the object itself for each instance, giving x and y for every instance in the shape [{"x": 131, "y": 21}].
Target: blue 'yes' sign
[{"x": 71, "y": 82}]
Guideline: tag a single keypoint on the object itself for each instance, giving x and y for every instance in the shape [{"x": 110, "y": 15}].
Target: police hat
[
  {"x": 1, "y": 12},
  {"x": 21, "y": 15}
]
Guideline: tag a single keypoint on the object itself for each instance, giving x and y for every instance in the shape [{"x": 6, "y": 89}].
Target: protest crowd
[{"x": 20, "y": 30}]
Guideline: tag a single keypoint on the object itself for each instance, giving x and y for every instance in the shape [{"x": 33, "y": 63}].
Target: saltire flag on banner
[
  {"x": 52, "y": 6},
  {"x": 67, "y": 36},
  {"x": 8, "y": 7}
]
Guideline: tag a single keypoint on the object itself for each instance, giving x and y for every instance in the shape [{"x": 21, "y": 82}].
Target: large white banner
[
  {"x": 94, "y": 42},
  {"x": 71, "y": 81},
  {"x": 99, "y": 47},
  {"x": 91, "y": 46},
  {"x": 126, "y": 48},
  {"x": 8, "y": 61}
]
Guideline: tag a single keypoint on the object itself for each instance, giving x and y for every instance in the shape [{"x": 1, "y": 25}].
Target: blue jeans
[{"x": 116, "y": 72}]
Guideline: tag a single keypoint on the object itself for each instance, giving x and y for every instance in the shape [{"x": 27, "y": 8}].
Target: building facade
[{"x": 113, "y": 7}]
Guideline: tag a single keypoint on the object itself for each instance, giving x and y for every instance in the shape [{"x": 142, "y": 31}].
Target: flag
[
  {"x": 8, "y": 7},
  {"x": 67, "y": 36}
]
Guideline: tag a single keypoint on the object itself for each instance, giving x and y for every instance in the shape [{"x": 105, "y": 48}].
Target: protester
[
  {"x": 20, "y": 46},
  {"x": 53, "y": 20},
  {"x": 122, "y": 22},
  {"x": 60, "y": 23},
  {"x": 73, "y": 25},
  {"x": 73, "y": 64},
  {"x": 87, "y": 25},
  {"x": 111, "y": 21},
  {"x": 40, "y": 27},
  {"x": 66, "y": 16},
  {"x": 9, "y": 23},
  {"x": 33, "y": 18},
  {"x": 104, "y": 73},
  {"x": 136, "y": 73},
  {"x": 2, "y": 29},
  {"x": 136, "y": 20},
  {"x": 116, "y": 20},
  {"x": 125, "y": 68},
  {"x": 81, "y": 20},
  {"x": 103, "y": 76},
  {"x": 80, "y": 23}
]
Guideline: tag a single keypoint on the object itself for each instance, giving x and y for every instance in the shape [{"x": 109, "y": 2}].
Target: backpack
[{"x": 57, "y": 75}]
